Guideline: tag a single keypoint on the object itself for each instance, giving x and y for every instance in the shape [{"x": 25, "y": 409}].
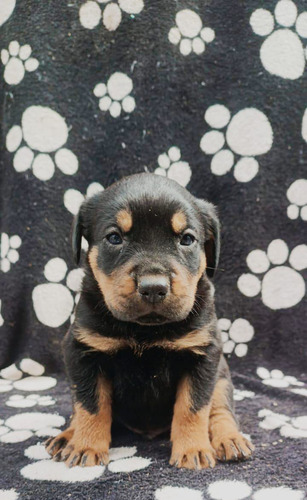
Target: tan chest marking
[{"x": 194, "y": 341}]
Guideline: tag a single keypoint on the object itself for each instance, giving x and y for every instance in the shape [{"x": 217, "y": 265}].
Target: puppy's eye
[
  {"x": 114, "y": 239},
  {"x": 187, "y": 240}
]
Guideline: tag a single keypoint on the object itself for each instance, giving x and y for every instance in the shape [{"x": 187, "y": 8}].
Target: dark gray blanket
[{"x": 212, "y": 94}]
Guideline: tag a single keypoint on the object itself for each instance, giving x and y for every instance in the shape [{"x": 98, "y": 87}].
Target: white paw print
[
  {"x": 276, "y": 378},
  {"x": 21, "y": 427},
  {"x": 12, "y": 377},
  {"x": 9, "y": 254},
  {"x": 297, "y": 195},
  {"x": 1, "y": 317},
  {"x": 19, "y": 401},
  {"x": 248, "y": 134},
  {"x": 281, "y": 286},
  {"x": 74, "y": 198},
  {"x": 235, "y": 335},
  {"x": 178, "y": 493},
  {"x": 122, "y": 459},
  {"x": 240, "y": 395},
  {"x": 228, "y": 490},
  {"x": 288, "y": 427},
  {"x": 54, "y": 302},
  {"x": 115, "y": 95},
  {"x": 171, "y": 166},
  {"x": 44, "y": 131},
  {"x": 90, "y": 12},
  {"x": 6, "y": 10},
  {"x": 190, "y": 33},
  {"x": 282, "y": 53},
  {"x": 10, "y": 494},
  {"x": 17, "y": 61},
  {"x": 238, "y": 490}
]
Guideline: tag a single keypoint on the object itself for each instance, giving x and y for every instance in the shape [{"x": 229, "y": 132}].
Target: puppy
[{"x": 144, "y": 348}]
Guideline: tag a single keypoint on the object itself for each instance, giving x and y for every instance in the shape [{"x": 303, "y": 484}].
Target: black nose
[{"x": 153, "y": 289}]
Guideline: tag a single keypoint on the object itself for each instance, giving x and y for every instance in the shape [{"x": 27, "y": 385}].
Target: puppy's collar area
[{"x": 194, "y": 341}]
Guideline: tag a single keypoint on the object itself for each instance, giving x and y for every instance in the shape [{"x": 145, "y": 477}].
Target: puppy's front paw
[
  {"x": 54, "y": 446},
  {"x": 195, "y": 457},
  {"x": 67, "y": 448},
  {"x": 232, "y": 447},
  {"x": 76, "y": 454}
]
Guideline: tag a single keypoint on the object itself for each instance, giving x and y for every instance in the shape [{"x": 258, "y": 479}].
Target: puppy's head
[{"x": 150, "y": 244}]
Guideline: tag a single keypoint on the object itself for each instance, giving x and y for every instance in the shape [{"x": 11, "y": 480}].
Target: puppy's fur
[{"x": 144, "y": 348}]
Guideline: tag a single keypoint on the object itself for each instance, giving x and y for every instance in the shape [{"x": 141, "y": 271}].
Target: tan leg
[
  {"x": 225, "y": 436},
  {"x": 86, "y": 442},
  {"x": 191, "y": 446}
]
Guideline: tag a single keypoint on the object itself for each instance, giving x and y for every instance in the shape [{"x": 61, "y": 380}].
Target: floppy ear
[
  {"x": 76, "y": 237},
  {"x": 80, "y": 226},
  {"x": 212, "y": 235},
  {"x": 84, "y": 224}
]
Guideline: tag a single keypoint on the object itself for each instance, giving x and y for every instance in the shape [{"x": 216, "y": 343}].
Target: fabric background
[{"x": 214, "y": 95}]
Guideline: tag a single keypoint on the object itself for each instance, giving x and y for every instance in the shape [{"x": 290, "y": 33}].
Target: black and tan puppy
[{"x": 144, "y": 348}]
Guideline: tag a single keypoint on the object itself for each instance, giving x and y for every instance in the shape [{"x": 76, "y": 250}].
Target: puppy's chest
[
  {"x": 154, "y": 371},
  {"x": 144, "y": 387}
]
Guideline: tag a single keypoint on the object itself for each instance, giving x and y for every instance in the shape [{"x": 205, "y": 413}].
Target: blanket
[{"x": 213, "y": 95}]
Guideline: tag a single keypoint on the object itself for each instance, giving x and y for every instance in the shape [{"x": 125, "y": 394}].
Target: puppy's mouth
[{"x": 152, "y": 319}]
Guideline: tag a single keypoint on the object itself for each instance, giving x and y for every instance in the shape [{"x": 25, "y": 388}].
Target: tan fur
[
  {"x": 225, "y": 436},
  {"x": 124, "y": 220},
  {"x": 89, "y": 435},
  {"x": 94, "y": 430},
  {"x": 98, "y": 342},
  {"x": 194, "y": 341},
  {"x": 124, "y": 283},
  {"x": 191, "y": 446},
  {"x": 183, "y": 280},
  {"x": 118, "y": 285},
  {"x": 179, "y": 222},
  {"x": 60, "y": 441},
  {"x": 103, "y": 281}
]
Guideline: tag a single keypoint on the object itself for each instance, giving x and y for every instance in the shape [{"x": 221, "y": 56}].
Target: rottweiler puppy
[{"x": 144, "y": 349}]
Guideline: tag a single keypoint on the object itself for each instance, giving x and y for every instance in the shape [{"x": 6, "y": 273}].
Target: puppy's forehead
[
  {"x": 148, "y": 201},
  {"x": 155, "y": 213}
]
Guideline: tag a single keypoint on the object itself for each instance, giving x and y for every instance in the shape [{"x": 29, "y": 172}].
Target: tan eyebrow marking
[
  {"x": 124, "y": 220},
  {"x": 179, "y": 222}
]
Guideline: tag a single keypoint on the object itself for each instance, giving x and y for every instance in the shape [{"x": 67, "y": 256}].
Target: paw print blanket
[{"x": 214, "y": 96}]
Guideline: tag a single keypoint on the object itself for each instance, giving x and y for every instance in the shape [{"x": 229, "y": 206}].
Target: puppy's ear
[
  {"x": 76, "y": 236},
  {"x": 83, "y": 225},
  {"x": 211, "y": 224}
]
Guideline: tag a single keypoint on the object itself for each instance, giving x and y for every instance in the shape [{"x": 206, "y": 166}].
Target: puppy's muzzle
[{"x": 153, "y": 289}]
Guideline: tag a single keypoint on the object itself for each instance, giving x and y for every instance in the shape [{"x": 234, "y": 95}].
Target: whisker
[{"x": 215, "y": 268}]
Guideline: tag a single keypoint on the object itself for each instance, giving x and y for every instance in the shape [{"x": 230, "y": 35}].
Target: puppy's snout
[{"x": 153, "y": 289}]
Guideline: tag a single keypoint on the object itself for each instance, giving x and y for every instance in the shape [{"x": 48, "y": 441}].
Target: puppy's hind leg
[{"x": 225, "y": 436}]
